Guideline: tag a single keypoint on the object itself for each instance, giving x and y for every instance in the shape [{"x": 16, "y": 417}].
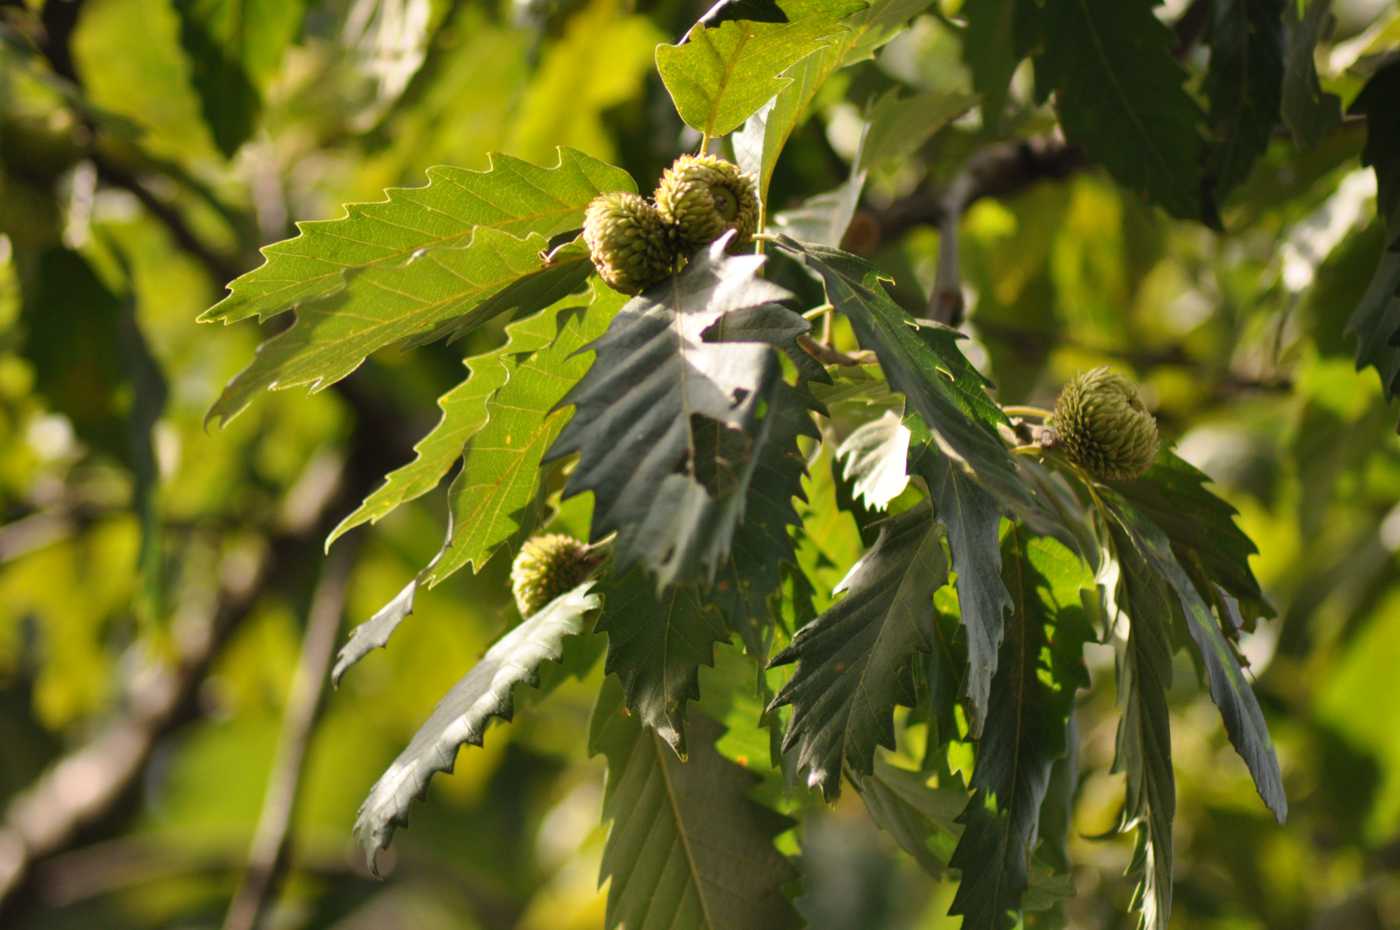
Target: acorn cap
[
  {"x": 1104, "y": 427},
  {"x": 548, "y": 566},
  {"x": 630, "y": 244},
  {"x": 701, "y": 197}
]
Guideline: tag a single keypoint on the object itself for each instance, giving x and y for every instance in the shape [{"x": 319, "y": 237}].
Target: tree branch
[{"x": 271, "y": 842}]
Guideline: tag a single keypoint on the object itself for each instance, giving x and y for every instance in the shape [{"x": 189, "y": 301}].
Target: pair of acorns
[{"x": 635, "y": 242}]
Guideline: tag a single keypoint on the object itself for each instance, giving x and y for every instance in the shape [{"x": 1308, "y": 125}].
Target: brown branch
[
  {"x": 267, "y": 859},
  {"x": 1000, "y": 170}
]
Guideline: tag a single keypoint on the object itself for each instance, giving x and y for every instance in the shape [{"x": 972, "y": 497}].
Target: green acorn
[
  {"x": 701, "y": 197},
  {"x": 1104, "y": 427},
  {"x": 630, "y": 244},
  {"x": 546, "y": 567}
]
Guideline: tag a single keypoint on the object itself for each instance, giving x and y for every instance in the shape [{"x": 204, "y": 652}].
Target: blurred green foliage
[{"x": 132, "y": 186}]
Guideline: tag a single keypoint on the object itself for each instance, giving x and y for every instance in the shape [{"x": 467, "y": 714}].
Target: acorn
[
  {"x": 701, "y": 197},
  {"x": 1104, "y": 427},
  {"x": 546, "y": 567},
  {"x": 630, "y": 244}
]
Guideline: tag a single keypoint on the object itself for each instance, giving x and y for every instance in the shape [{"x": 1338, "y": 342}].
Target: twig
[
  {"x": 271, "y": 841},
  {"x": 997, "y": 171}
]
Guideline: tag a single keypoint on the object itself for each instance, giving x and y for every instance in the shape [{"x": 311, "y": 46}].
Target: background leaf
[
  {"x": 1244, "y": 84},
  {"x": 234, "y": 47},
  {"x": 1119, "y": 94}
]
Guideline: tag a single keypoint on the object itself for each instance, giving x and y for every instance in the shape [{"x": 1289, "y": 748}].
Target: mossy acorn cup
[
  {"x": 629, "y": 243},
  {"x": 1103, "y": 426},
  {"x": 701, "y": 197},
  {"x": 548, "y": 566}
]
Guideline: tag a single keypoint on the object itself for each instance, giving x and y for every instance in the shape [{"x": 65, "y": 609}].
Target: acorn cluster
[
  {"x": 548, "y": 566},
  {"x": 1104, "y": 427},
  {"x": 636, "y": 243}
]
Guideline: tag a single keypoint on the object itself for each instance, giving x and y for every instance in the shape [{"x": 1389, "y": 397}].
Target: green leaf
[
  {"x": 688, "y": 849},
  {"x": 1118, "y": 90},
  {"x": 762, "y": 549},
  {"x": 972, "y": 519},
  {"x": 1375, "y": 322},
  {"x": 899, "y": 125},
  {"x": 765, "y": 134},
  {"x": 1144, "y": 750},
  {"x": 463, "y": 715},
  {"x": 501, "y": 466},
  {"x": 1244, "y": 84},
  {"x": 922, "y": 819},
  {"x": 1308, "y": 112},
  {"x": 1377, "y": 102},
  {"x": 875, "y": 457},
  {"x": 719, "y": 76},
  {"x": 234, "y": 48},
  {"x": 854, "y": 661},
  {"x": 465, "y": 410},
  {"x": 366, "y": 250},
  {"x": 991, "y": 50},
  {"x": 1244, "y": 720},
  {"x": 493, "y": 274},
  {"x": 666, "y": 421},
  {"x": 923, "y": 362},
  {"x": 106, "y": 382},
  {"x": 1173, "y": 495},
  {"x": 824, "y": 218},
  {"x": 1027, "y": 722},
  {"x": 656, "y": 645}
]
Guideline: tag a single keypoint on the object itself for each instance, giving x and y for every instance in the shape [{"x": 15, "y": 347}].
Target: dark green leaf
[
  {"x": 1173, "y": 495},
  {"x": 920, "y": 818},
  {"x": 1244, "y": 720},
  {"x": 991, "y": 51},
  {"x": 763, "y": 549},
  {"x": 688, "y": 849},
  {"x": 1244, "y": 84},
  {"x": 233, "y": 48},
  {"x": 656, "y": 645},
  {"x": 1376, "y": 321},
  {"x": 972, "y": 519},
  {"x": 1027, "y": 722},
  {"x": 463, "y": 715},
  {"x": 1308, "y": 112},
  {"x": 666, "y": 421},
  {"x": 1144, "y": 752},
  {"x": 854, "y": 661},
  {"x": 1118, "y": 90},
  {"x": 918, "y": 359}
]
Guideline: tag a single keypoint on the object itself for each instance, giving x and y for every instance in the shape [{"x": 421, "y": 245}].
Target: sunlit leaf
[
  {"x": 721, "y": 75},
  {"x": 500, "y": 472}
]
